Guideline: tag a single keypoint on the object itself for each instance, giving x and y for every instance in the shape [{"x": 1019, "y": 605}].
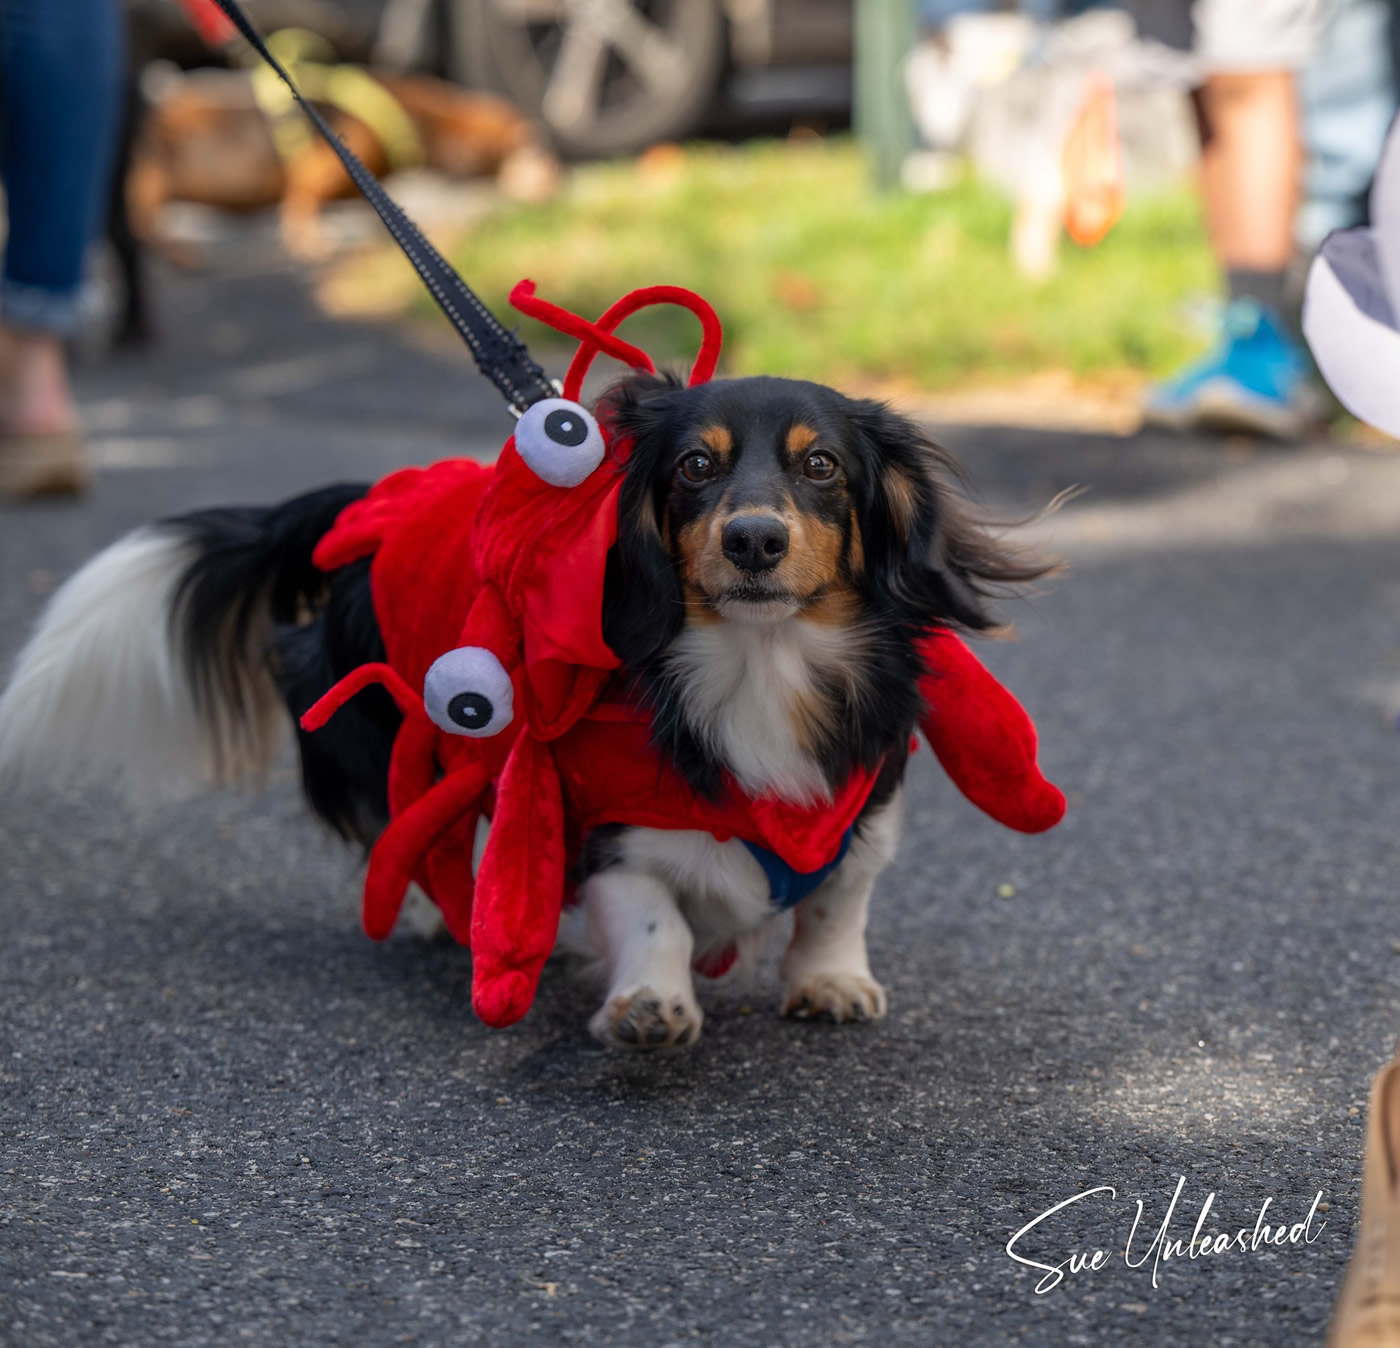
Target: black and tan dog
[{"x": 780, "y": 549}]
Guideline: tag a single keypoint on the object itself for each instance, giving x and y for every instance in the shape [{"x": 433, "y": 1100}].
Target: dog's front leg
[
  {"x": 825, "y": 969},
  {"x": 633, "y": 924}
]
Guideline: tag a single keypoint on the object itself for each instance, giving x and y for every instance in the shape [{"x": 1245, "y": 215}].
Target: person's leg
[
  {"x": 61, "y": 64},
  {"x": 1251, "y": 175}
]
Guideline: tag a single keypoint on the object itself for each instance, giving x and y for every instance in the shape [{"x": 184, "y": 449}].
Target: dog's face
[
  {"x": 760, "y": 500},
  {"x": 759, "y": 514}
]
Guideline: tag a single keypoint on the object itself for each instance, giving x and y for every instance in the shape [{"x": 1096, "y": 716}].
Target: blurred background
[{"x": 992, "y": 212}]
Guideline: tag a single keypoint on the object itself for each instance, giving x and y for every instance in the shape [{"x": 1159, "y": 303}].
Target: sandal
[{"x": 52, "y": 464}]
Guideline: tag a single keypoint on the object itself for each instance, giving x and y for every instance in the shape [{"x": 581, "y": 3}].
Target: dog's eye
[
  {"x": 468, "y": 692},
  {"x": 697, "y": 468},
  {"x": 559, "y": 441},
  {"x": 819, "y": 467}
]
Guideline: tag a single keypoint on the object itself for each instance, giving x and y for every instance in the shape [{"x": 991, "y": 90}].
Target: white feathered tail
[{"x": 103, "y": 688}]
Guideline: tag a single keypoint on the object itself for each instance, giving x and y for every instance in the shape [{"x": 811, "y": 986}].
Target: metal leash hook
[{"x": 499, "y": 353}]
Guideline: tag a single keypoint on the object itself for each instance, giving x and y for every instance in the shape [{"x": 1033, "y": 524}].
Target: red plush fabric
[
  {"x": 386, "y": 676},
  {"x": 464, "y": 555},
  {"x": 523, "y": 297},
  {"x": 450, "y": 880},
  {"x": 410, "y": 837},
  {"x": 612, "y": 774},
  {"x": 984, "y": 739},
  {"x": 711, "y": 335},
  {"x": 545, "y": 549},
  {"x": 521, "y": 885}
]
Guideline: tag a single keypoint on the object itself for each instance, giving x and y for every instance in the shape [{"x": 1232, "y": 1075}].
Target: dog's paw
[
  {"x": 643, "y": 1020},
  {"x": 838, "y": 996}
]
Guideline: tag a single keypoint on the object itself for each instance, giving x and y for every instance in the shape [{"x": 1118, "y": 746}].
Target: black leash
[{"x": 500, "y": 354}]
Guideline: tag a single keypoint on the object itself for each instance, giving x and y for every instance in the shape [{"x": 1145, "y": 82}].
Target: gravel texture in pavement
[{"x": 227, "y": 1117}]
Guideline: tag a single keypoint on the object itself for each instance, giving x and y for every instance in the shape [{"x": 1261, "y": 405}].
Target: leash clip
[{"x": 517, "y": 412}]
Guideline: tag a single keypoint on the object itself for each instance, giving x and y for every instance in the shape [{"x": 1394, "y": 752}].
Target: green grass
[{"x": 816, "y": 276}]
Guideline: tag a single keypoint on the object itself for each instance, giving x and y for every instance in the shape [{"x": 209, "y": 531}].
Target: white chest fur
[{"x": 745, "y": 689}]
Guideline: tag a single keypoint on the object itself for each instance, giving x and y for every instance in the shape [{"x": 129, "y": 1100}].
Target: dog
[
  {"x": 204, "y": 138},
  {"x": 780, "y": 548}
]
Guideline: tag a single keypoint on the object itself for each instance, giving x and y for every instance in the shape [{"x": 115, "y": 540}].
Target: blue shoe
[{"x": 1256, "y": 380}]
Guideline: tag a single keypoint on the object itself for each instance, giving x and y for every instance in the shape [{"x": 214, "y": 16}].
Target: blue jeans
[{"x": 61, "y": 71}]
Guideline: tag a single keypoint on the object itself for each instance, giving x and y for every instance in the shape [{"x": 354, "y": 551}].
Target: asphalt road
[{"x": 228, "y": 1117}]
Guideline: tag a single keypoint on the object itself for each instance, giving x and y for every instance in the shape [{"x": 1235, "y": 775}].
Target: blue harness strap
[{"x": 787, "y": 887}]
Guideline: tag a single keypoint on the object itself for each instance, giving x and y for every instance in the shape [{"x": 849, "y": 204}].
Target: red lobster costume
[
  {"x": 488, "y": 589},
  {"x": 500, "y": 570}
]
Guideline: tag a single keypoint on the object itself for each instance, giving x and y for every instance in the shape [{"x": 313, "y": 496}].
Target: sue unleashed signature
[{"x": 1205, "y": 1242}]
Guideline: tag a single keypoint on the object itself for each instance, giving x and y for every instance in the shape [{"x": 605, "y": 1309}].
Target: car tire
[{"x": 642, "y": 70}]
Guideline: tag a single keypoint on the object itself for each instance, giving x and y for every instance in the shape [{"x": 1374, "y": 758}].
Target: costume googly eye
[
  {"x": 468, "y": 692},
  {"x": 560, "y": 441}
]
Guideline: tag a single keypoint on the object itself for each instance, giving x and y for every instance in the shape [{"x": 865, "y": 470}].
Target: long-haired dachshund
[{"x": 780, "y": 548}]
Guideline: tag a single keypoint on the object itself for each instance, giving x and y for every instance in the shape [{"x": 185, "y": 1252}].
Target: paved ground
[{"x": 228, "y": 1117}]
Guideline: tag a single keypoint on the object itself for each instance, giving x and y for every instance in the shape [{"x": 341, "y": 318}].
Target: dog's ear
[
  {"x": 643, "y": 604},
  {"x": 926, "y": 550}
]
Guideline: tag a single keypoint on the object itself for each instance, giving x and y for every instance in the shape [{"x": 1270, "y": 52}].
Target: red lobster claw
[
  {"x": 984, "y": 739},
  {"x": 520, "y": 886},
  {"x": 404, "y": 846}
]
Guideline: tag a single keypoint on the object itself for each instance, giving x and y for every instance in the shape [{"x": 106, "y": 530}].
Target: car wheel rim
[{"x": 588, "y": 63}]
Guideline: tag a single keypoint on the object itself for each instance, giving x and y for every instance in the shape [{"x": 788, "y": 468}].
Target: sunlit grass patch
[{"x": 816, "y": 276}]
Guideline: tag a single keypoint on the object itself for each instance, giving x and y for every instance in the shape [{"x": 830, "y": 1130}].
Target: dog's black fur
[
  {"x": 906, "y": 554},
  {"x": 937, "y": 568},
  {"x": 258, "y": 560}
]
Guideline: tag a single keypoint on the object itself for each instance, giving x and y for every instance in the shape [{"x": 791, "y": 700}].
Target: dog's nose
[{"x": 755, "y": 542}]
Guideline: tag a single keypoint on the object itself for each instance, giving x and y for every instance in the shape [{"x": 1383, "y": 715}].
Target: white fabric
[
  {"x": 1352, "y": 297},
  {"x": 1350, "y": 327},
  {"x": 468, "y": 670},
  {"x": 559, "y": 441},
  {"x": 1257, "y": 35}
]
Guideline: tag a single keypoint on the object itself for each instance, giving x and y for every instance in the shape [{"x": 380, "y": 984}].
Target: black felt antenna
[{"x": 500, "y": 354}]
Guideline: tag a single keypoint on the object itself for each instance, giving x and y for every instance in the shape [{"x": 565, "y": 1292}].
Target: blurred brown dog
[{"x": 206, "y": 139}]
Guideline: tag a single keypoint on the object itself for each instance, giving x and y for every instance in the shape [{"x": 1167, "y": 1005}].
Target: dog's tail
[{"x": 152, "y": 664}]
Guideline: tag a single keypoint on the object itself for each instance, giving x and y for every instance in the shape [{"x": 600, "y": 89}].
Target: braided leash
[{"x": 499, "y": 353}]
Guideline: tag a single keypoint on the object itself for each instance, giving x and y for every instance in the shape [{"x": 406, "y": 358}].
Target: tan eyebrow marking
[
  {"x": 718, "y": 441},
  {"x": 799, "y": 438}
]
